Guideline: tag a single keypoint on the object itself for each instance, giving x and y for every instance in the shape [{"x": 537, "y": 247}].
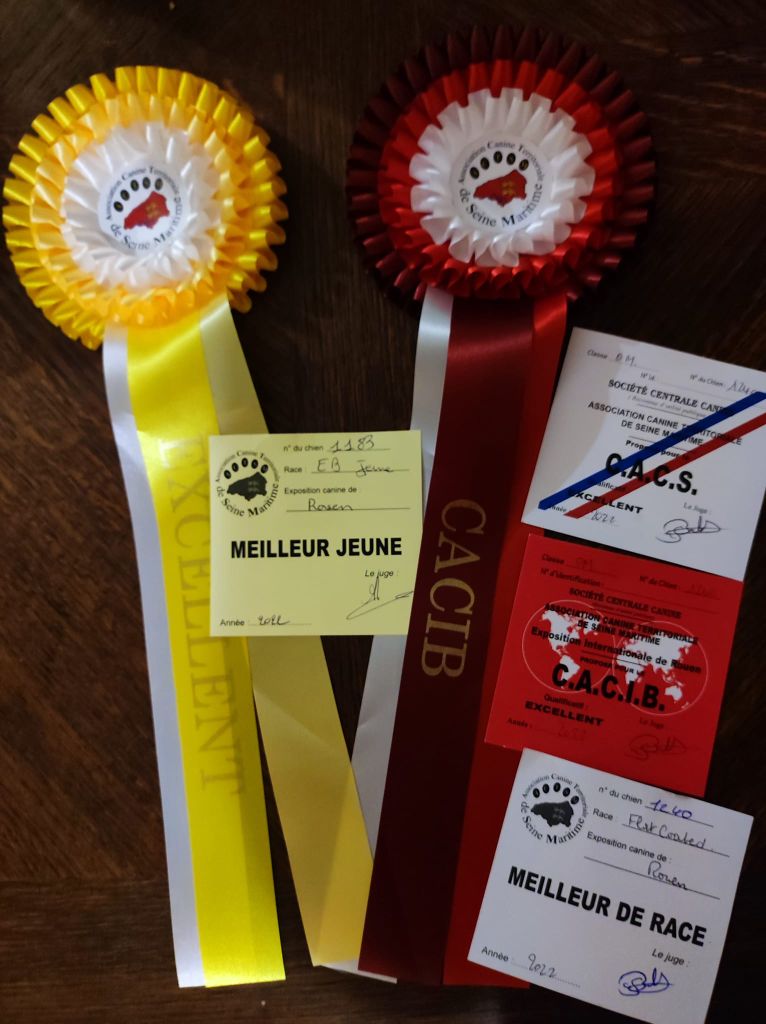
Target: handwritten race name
[{"x": 317, "y": 547}]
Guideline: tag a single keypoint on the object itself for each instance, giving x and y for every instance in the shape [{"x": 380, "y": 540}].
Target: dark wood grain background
[{"x": 84, "y": 920}]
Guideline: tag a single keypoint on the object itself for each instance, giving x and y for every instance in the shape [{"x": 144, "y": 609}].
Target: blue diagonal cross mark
[{"x": 654, "y": 449}]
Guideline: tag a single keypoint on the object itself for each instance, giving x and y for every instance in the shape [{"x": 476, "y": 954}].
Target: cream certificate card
[
  {"x": 611, "y": 891},
  {"x": 314, "y": 533}
]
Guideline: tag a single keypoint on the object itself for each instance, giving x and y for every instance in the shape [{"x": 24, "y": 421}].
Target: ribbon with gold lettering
[
  {"x": 139, "y": 212},
  {"x": 500, "y": 167},
  {"x": 306, "y": 752}
]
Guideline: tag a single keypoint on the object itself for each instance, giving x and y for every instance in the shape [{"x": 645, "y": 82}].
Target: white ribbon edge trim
[{"x": 377, "y": 714}]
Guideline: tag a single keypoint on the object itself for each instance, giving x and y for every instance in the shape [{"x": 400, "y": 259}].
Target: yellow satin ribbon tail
[
  {"x": 175, "y": 413},
  {"x": 308, "y": 760}
]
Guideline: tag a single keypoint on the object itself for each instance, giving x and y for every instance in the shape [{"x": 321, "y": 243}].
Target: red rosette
[{"x": 478, "y": 69}]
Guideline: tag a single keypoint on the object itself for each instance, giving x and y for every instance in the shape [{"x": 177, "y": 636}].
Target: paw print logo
[
  {"x": 557, "y": 810},
  {"x": 143, "y": 198},
  {"x": 553, "y": 809},
  {"x": 247, "y": 483},
  {"x": 251, "y": 486},
  {"x": 500, "y": 177}
]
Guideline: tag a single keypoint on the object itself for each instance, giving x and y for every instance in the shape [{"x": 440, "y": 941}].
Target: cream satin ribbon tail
[
  {"x": 221, "y": 891},
  {"x": 308, "y": 761}
]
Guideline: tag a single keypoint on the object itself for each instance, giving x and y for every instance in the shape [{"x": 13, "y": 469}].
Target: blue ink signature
[{"x": 635, "y": 983}]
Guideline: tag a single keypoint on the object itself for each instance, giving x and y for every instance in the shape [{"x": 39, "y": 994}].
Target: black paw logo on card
[
  {"x": 247, "y": 483},
  {"x": 559, "y": 808},
  {"x": 553, "y": 809},
  {"x": 250, "y": 486},
  {"x": 498, "y": 179}
]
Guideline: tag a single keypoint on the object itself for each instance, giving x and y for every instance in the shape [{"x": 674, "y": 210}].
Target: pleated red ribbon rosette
[{"x": 511, "y": 168}]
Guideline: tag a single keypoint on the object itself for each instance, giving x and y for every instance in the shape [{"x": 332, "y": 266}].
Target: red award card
[{"x": 616, "y": 662}]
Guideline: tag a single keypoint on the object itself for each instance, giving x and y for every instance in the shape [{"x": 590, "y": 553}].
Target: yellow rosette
[
  {"x": 141, "y": 210},
  {"x": 100, "y": 229}
]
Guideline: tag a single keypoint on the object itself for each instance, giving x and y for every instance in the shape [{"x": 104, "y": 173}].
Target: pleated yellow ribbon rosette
[{"x": 138, "y": 213}]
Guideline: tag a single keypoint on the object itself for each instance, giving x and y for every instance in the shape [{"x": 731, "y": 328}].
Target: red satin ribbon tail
[
  {"x": 416, "y": 857},
  {"x": 494, "y": 768}
]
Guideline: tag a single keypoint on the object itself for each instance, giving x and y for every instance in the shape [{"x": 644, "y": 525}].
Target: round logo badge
[
  {"x": 142, "y": 210},
  {"x": 553, "y": 808},
  {"x": 498, "y": 184},
  {"x": 247, "y": 483}
]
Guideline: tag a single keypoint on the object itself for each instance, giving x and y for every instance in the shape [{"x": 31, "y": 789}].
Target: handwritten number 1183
[{"x": 365, "y": 443}]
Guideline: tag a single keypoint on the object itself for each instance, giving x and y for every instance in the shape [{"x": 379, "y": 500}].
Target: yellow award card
[{"x": 314, "y": 534}]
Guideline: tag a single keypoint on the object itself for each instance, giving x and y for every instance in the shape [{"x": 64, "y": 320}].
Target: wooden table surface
[{"x": 84, "y": 920}]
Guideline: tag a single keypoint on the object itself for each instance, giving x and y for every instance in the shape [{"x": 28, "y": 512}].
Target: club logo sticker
[
  {"x": 142, "y": 210},
  {"x": 499, "y": 184},
  {"x": 247, "y": 484},
  {"x": 553, "y": 808}
]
